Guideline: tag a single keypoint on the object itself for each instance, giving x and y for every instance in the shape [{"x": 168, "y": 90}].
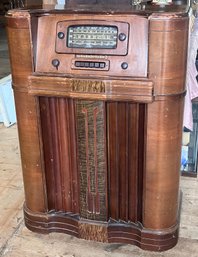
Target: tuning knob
[
  {"x": 55, "y": 63},
  {"x": 61, "y": 35},
  {"x": 122, "y": 36}
]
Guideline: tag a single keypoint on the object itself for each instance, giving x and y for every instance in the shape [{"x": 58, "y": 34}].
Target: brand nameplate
[{"x": 88, "y": 86}]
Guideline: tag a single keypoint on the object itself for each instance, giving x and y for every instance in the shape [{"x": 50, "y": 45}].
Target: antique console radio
[{"x": 99, "y": 91}]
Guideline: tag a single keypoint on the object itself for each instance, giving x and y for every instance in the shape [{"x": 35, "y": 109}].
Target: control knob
[
  {"x": 61, "y": 35},
  {"x": 124, "y": 65},
  {"x": 55, "y": 63},
  {"x": 122, "y": 36}
]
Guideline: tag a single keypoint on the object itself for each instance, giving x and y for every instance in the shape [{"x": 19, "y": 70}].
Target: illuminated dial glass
[{"x": 92, "y": 36}]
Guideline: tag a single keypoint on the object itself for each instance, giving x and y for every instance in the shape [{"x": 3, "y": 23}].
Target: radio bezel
[{"x": 61, "y": 44}]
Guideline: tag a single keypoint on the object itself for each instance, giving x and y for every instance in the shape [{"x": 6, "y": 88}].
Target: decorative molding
[
  {"x": 87, "y": 86},
  {"x": 111, "y": 231}
]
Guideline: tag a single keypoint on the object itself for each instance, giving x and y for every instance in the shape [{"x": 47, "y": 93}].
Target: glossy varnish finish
[
  {"x": 166, "y": 65},
  {"x": 167, "y": 72},
  {"x": 65, "y": 148},
  {"x": 136, "y": 53},
  {"x": 95, "y": 89},
  {"x": 59, "y": 147},
  {"x": 125, "y": 159},
  {"x": 101, "y": 149}
]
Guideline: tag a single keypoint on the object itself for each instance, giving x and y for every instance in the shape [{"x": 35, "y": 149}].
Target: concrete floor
[{"x": 17, "y": 241}]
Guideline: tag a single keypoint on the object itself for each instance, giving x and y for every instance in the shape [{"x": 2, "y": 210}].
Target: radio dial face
[{"x": 92, "y": 36}]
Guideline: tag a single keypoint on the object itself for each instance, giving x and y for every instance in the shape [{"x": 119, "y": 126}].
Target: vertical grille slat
[
  {"x": 125, "y": 159},
  {"x": 58, "y": 136}
]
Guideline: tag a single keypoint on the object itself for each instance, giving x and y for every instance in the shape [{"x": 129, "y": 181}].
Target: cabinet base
[{"x": 111, "y": 231}]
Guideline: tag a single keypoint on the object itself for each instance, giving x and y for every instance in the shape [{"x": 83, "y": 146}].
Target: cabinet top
[{"x": 146, "y": 8}]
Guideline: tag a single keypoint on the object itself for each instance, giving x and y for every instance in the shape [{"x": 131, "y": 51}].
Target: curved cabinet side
[
  {"x": 18, "y": 31},
  {"x": 167, "y": 69},
  {"x": 168, "y": 39},
  {"x": 161, "y": 195}
]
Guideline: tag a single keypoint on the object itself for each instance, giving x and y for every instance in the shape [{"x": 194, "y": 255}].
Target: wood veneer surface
[{"x": 140, "y": 131}]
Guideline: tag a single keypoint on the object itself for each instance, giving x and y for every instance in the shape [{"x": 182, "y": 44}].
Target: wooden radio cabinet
[{"x": 99, "y": 92}]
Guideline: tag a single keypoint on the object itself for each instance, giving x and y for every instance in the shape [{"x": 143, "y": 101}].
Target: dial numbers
[{"x": 102, "y": 37}]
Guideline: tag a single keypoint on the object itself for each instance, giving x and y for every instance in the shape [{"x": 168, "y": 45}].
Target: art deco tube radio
[{"x": 99, "y": 93}]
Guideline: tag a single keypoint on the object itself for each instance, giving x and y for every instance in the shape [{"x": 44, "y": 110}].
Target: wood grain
[
  {"x": 136, "y": 56},
  {"x": 110, "y": 89},
  {"x": 140, "y": 126},
  {"x": 167, "y": 63},
  {"x": 125, "y": 128},
  {"x": 95, "y": 232},
  {"x": 58, "y": 128}
]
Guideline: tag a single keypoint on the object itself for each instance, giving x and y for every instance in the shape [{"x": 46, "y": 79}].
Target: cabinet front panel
[{"x": 94, "y": 154}]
